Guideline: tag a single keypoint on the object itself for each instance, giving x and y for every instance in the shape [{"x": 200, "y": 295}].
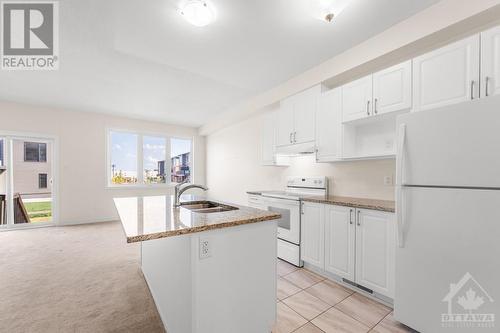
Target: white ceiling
[{"x": 141, "y": 59}]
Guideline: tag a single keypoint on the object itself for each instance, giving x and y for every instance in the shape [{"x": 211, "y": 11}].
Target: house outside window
[
  {"x": 144, "y": 159},
  {"x": 35, "y": 152},
  {"x": 42, "y": 180}
]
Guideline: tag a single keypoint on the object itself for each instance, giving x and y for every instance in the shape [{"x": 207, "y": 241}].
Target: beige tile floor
[{"x": 309, "y": 303}]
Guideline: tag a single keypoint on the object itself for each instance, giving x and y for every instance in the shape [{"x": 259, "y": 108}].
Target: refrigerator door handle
[{"x": 399, "y": 183}]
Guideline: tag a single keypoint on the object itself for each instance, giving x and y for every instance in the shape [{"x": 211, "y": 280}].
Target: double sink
[{"x": 207, "y": 206}]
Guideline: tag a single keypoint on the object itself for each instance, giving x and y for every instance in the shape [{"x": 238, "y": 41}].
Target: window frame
[
  {"x": 40, "y": 144},
  {"x": 46, "y": 181},
  {"x": 140, "y": 159}
]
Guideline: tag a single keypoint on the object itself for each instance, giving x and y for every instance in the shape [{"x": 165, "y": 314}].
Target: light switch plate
[{"x": 388, "y": 180}]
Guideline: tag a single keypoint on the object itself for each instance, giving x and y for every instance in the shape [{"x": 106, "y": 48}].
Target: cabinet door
[
  {"x": 268, "y": 139},
  {"x": 375, "y": 251},
  {"x": 312, "y": 245},
  {"x": 284, "y": 122},
  {"x": 329, "y": 126},
  {"x": 305, "y": 115},
  {"x": 340, "y": 241},
  {"x": 392, "y": 89},
  {"x": 490, "y": 62},
  {"x": 357, "y": 99},
  {"x": 447, "y": 76}
]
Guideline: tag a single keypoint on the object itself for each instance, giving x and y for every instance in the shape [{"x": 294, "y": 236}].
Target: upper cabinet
[
  {"x": 386, "y": 91},
  {"x": 268, "y": 142},
  {"x": 392, "y": 89},
  {"x": 490, "y": 62},
  {"x": 297, "y": 117},
  {"x": 285, "y": 123},
  {"x": 447, "y": 76},
  {"x": 329, "y": 126},
  {"x": 357, "y": 99}
]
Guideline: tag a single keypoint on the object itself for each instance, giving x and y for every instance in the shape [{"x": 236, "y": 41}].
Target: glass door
[{"x": 26, "y": 180}]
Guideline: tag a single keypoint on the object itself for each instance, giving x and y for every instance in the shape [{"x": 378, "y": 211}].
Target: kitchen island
[{"x": 210, "y": 267}]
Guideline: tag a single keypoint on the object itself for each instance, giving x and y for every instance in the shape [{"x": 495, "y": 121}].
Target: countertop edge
[
  {"x": 166, "y": 234},
  {"x": 349, "y": 204}
]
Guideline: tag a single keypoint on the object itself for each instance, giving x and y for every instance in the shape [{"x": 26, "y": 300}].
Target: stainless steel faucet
[{"x": 179, "y": 189}]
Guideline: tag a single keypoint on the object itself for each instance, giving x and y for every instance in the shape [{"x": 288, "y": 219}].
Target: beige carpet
[{"x": 73, "y": 279}]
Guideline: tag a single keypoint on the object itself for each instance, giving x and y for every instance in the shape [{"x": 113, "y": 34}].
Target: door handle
[
  {"x": 472, "y": 84},
  {"x": 350, "y": 216},
  {"x": 359, "y": 220},
  {"x": 368, "y": 107},
  {"x": 487, "y": 79},
  {"x": 375, "y": 106}
]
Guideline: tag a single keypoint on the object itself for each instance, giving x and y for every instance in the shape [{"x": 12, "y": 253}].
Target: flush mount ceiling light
[
  {"x": 328, "y": 10},
  {"x": 197, "y": 12}
]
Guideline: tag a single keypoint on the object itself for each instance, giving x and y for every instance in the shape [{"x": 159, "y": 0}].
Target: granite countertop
[
  {"x": 151, "y": 217},
  {"x": 374, "y": 204}
]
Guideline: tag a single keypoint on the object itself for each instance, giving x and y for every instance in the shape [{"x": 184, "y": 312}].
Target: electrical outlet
[
  {"x": 205, "y": 248},
  {"x": 388, "y": 180}
]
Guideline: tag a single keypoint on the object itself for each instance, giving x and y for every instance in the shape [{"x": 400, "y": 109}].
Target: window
[
  {"x": 123, "y": 158},
  {"x": 42, "y": 180},
  {"x": 137, "y": 159},
  {"x": 180, "y": 155},
  {"x": 35, "y": 152},
  {"x": 154, "y": 152}
]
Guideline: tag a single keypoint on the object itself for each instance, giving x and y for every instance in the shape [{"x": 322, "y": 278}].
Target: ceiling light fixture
[
  {"x": 198, "y": 12},
  {"x": 330, "y": 9}
]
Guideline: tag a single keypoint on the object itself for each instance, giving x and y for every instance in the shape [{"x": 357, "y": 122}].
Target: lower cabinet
[
  {"x": 375, "y": 251},
  {"x": 355, "y": 244},
  {"x": 340, "y": 245},
  {"x": 312, "y": 231}
]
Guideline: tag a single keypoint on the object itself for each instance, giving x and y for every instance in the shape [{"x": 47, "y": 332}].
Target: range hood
[{"x": 297, "y": 149}]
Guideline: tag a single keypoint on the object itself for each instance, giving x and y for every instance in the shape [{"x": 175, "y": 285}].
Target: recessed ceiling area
[{"x": 141, "y": 59}]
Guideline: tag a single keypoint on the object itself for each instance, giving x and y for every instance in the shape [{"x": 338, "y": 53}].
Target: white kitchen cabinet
[
  {"x": 312, "y": 246},
  {"x": 490, "y": 62},
  {"x": 329, "y": 126},
  {"x": 357, "y": 99},
  {"x": 256, "y": 201},
  {"x": 392, "y": 89},
  {"x": 285, "y": 122},
  {"x": 305, "y": 115},
  {"x": 375, "y": 251},
  {"x": 340, "y": 241},
  {"x": 296, "y": 121},
  {"x": 268, "y": 142},
  {"x": 447, "y": 76}
]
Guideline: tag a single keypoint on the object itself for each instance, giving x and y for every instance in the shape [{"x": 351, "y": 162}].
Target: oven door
[{"x": 289, "y": 223}]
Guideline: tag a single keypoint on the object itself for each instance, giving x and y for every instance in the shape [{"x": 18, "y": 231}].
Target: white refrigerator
[{"x": 448, "y": 216}]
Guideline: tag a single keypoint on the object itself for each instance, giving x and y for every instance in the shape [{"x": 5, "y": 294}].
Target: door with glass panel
[{"x": 26, "y": 180}]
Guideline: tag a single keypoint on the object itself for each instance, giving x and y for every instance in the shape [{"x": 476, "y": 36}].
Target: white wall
[
  {"x": 83, "y": 196},
  {"x": 233, "y": 167}
]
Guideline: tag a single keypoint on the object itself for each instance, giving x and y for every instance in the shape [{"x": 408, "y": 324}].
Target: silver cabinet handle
[
  {"x": 368, "y": 107},
  {"x": 291, "y": 137},
  {"x": 375, "y": 105},
  {"x": 350, "y": 216},
  {"x": 359, "y": 221},
  {"x": 302, "y": 208},
  {"x": 472, "y": 84},
  {"x": 487, "y": 79},
  {"x": 294, "y": 137}
]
